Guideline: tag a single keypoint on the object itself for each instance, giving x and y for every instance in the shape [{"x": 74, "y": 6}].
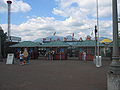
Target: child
[{"x": 21, "y": 58}]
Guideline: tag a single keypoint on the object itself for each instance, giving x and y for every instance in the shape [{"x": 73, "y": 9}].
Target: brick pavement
[{"x": 53, "y": 75}]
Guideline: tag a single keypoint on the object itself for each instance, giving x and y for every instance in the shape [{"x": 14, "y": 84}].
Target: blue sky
[
  {"x": 32, "y": 19},
  {"x": 39, "y": 8}
]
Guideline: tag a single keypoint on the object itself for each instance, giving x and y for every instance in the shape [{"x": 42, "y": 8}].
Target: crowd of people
[
  {"x": 25, "y": 57},
  {"x": 50, "y": 55},
  {"x": 83, "y": 56}
]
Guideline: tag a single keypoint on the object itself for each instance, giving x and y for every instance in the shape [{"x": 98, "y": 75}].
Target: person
[
  {"x": 21, "y": 58},
  {"x": 28, "y": 58},
  {"x": 49, "y": 55},
  {"x": 46, "y": 55},
  {"x": 25, "y": 53},
  {"x": 53, "y": 55},
  {"x": 84, "y": 56}
]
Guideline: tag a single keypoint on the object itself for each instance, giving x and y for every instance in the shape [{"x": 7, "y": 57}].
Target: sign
[
  {"x": 13, "y": 38},
  {"x": 10, "y": 58}
]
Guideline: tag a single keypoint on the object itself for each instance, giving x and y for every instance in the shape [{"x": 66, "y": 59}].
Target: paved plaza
[{"x": 54, "y": 75}]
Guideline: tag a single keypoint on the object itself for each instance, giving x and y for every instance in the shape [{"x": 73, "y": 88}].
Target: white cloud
[
  {"x": 16, "y": 6},
  {"x": 41, "y": 27},
  {"x": 84, "y": 7},
  {"x": 80, "y": 19}
]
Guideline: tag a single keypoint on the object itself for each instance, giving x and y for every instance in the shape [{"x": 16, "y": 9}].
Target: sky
[{"x": 33, "y": 19}]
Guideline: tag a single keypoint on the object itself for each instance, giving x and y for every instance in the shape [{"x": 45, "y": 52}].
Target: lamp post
[
  {"x": 9, "y": 8},
  {"x": 113, "y": 76}
]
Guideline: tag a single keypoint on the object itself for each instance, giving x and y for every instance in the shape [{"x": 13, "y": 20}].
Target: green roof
[
  {"x": 55, "y": 44},
  {"x": 26, "y": 44},
  {"x": 87, "y": 43}
]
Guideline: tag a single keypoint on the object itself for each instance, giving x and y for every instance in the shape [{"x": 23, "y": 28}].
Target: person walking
[
  {"x": 21, "y": 58},
  {"x": 28, "y": 58}
]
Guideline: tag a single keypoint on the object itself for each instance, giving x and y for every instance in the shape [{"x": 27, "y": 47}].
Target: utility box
[{"x": 98, "y": 61}]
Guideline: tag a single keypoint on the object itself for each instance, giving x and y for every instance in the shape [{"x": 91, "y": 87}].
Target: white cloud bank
[
  {"x": 17, "y": 6},
  {"x": 80, "y": 19}
]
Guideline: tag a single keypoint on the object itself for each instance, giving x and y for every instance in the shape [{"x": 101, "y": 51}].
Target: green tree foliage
[{"x": 3, "y": 37}]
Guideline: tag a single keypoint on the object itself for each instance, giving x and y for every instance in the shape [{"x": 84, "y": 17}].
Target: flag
[
  {"x": 80, "y": 39},
  {"x": 54, "y": 33},
  {"x": 58, "y": 39},
  {"x": 44, "y": 39},
  {"x": 50, "y": 39},
  {"x": 73, "y": 35},
  {"x": 92, "y": 33},
  {"x": 65, "y": 39}
]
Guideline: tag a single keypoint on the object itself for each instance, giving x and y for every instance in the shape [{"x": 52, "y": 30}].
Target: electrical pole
[
  {"x": 113, "y": 76},
  {"x": 115, "y": 57}
]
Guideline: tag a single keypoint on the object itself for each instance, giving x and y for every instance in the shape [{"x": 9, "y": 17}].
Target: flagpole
[
  {"x": 98, "y": 27},
  {"x": 98, "y": 48}
]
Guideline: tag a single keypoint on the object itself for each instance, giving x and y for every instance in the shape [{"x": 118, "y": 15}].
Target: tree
[{"x": 3, "y": 38}]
